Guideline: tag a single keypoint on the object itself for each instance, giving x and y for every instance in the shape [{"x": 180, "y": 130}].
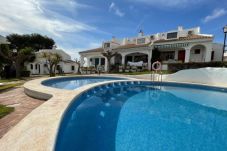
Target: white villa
[
  {"x": 181, "y": 45},
  {"x": 40, "y": 66}
]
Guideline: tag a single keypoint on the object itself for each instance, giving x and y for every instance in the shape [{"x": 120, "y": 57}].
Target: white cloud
[
  {"x": 73, "y": 52},
  {"x": 215, "y": 14},
  {"x": 116, "y": 10},
  {"x": 28, "y": 16},
  {"x": 169, "y": 3}
]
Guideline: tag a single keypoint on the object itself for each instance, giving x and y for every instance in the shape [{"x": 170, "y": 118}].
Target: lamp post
[{"x": 225, "y": 32}]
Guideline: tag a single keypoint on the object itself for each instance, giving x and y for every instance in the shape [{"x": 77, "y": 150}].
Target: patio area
[{"x": 22, "y": 104}]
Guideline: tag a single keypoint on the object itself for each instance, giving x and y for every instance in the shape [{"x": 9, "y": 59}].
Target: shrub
[{"x": 25, "y": 73}]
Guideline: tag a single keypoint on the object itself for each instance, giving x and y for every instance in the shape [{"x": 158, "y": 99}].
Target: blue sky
[{"x": 78, "y": 25}]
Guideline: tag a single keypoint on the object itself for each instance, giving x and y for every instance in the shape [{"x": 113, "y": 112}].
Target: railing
[{"x": 156, "y": 72}]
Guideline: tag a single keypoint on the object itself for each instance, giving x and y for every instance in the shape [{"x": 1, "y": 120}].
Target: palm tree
[{"x": 109, "y": 54}]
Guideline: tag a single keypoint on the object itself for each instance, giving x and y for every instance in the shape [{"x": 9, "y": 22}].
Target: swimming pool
[
  {"x": 145, "y": 116},
  {"x": 70, "y": 83}
]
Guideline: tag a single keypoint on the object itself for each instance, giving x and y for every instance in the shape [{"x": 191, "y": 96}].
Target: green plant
[{"x": 4, "y": 110}]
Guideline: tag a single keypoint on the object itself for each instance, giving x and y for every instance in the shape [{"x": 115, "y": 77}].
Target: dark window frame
[
  {"x": 197, "y": 51},
  {"x": 31, "y": 66},
  {"x": 172, "y": 35},
  {"x": 73, "y": 68}
]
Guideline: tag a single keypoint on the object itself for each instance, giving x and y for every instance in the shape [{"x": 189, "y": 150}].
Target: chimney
[
  {"x": 141, "y": 33},
  {"x": 180, "y": 28}
]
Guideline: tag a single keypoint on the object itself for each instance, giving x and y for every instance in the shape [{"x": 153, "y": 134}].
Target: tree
[
  {"x": 22, "y": 48},
  {"x": 79, "y": 65},
  {"x": 35, "y": 41},
  {"x": 3, "y": 61},
  {"x": 109, "y": 54},
  {"x": 17, "y": 57},
  {"x": 52, "y": 60}
]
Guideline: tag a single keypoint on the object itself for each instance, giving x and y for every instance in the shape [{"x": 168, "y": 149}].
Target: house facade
[
  {"x": 40, "y": 66},
  {"x": 180, "y": 45}
]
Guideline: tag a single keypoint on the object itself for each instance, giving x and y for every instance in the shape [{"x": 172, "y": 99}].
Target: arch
[
  {"x": 197, "y": 53},
  {"x": 136, "y": 57}
]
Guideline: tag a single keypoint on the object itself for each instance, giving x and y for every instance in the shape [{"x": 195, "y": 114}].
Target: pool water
[
  {"x": 137, "y": 116},
  {"x": 71, "y": 83}
]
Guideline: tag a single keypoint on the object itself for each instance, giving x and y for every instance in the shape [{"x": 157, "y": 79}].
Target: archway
[
  {"x": 136, "y": 57},
  {"x": 197, "y": 53}
]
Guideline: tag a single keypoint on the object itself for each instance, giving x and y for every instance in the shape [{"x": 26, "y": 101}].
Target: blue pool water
[
  {"x": 140, "y": 116},
  {"x": 71, "y": 83}
]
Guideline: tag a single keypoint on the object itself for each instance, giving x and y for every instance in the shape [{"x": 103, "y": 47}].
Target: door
[{"x": 181, "y": 55}]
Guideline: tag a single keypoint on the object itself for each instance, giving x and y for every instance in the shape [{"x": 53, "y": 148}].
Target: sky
[{"x": 78, "y": 25}]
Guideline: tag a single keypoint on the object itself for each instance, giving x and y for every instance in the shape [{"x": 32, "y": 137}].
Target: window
[
  {"x": 102, "y": 61},
  {"x": 36, "y": 66},
  {"x": 190, "y": 32},
  {"x": 172, "y": 35},
  {"x": 141, "y": 41},
  {"x": 73, "y": 68},
  {"x": 106, "y": 45},
  {"x": 31, "y": 66},
  {"x": 152, "y": 37},
  {"x": 58, "y": 67},
  {"x": 165, "y": 56},
  {"x": 197, "y": 51}
]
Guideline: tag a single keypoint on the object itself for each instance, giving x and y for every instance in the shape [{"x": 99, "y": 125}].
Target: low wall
[{"x": 209, "y": 76}]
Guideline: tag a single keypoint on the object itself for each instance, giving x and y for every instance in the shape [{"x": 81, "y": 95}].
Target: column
[
  {"x": 88, "y": 61},
  {"x": 149, "y": 59},
  {"x": 100, "y": 61},
  {"x": 106, "y": 64},
  {"x": 187, "y": 55},
  {"x": 176, "y": 55},
  {"x": 123, "y": 60}
]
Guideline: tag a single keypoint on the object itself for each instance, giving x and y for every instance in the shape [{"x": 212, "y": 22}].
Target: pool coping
[{"x": 38, "y": 130}]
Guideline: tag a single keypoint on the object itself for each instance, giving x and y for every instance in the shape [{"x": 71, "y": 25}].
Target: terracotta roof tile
[
  {"x": 191, "y": 37},
  {"x": 132, "y": 46},
  {"x": 93, "y": 50}
]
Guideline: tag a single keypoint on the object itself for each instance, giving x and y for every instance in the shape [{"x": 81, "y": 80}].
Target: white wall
[{"x": 218, "y": 50}]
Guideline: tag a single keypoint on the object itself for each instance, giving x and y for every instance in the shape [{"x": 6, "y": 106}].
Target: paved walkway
[{"x": 23, "y": 105}]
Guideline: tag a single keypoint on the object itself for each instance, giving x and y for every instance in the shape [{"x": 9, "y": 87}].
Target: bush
[
  {"x": 25, "y": 73},
  {"x": 174, "y": 67}
]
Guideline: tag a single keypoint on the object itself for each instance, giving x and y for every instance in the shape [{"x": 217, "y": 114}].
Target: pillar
[
  {"x": 187, "y": 55},
  {"x": 123, "y": 60},
  {"x": 106, "y": 64},
  {"x": 149, "y": 59}
]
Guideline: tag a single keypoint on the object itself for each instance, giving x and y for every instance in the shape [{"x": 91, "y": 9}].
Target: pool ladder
[{"x": 155, "y": 76}]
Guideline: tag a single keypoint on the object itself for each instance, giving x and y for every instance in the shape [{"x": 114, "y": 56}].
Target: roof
[
  {"x": 190, "y": 37},
  {"x": 132, "y": 46},
  {"x": 93, "y": 50},
  {"x": 68, "y": 61}
]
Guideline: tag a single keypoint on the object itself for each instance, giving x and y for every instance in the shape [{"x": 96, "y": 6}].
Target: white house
[
  {"x": 40, "y": 66},
  {"x": 181, "y": 45}
]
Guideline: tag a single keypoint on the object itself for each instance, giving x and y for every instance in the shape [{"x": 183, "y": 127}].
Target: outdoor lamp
[{"x": 225, "y": 32}]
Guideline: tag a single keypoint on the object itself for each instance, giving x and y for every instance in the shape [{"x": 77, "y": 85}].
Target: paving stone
[{"x": 23, "y": 105}]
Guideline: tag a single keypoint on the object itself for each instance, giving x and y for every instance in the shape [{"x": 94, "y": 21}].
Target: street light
[{"x": 225, "y": 32}]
